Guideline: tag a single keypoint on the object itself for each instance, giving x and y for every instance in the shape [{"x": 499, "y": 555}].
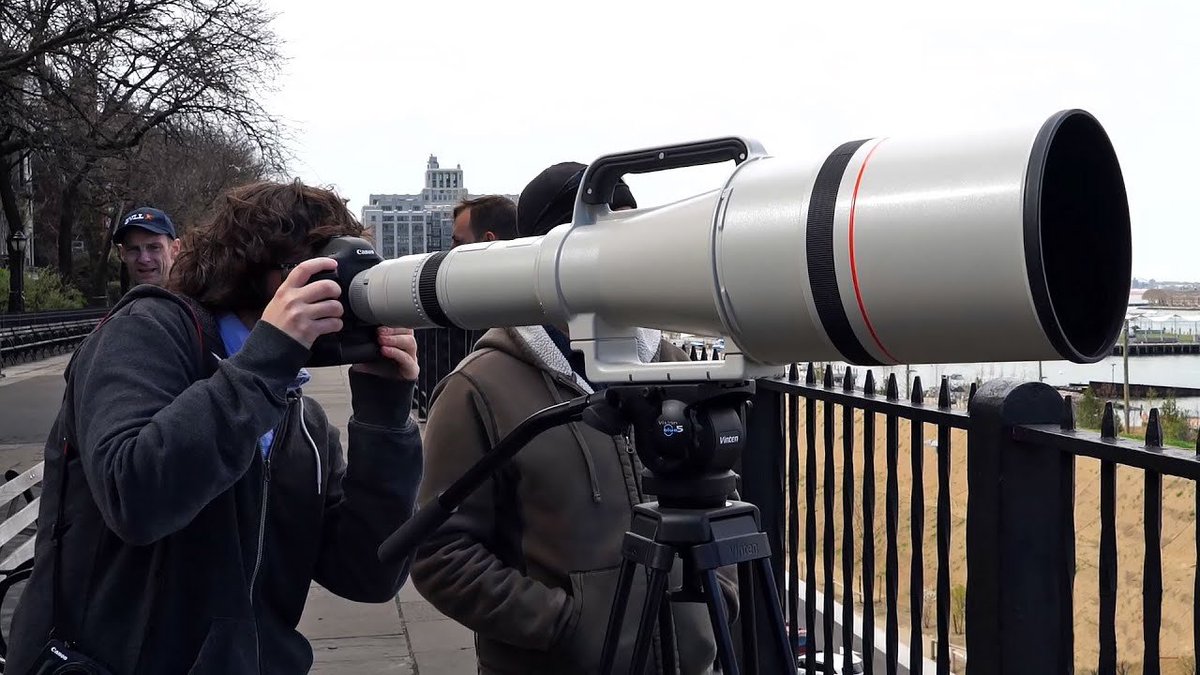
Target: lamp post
[
  {"x": 1125, "y": 359},
  {"x": 17, "y": 242}
]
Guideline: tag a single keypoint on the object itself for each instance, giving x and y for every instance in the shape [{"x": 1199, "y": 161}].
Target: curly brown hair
[{"x": 255, "y": 228}]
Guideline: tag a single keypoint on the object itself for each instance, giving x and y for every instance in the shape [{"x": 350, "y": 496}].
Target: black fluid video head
[{"x": 688, "y": 435}]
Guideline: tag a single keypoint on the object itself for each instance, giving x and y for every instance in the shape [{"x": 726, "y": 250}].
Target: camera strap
[{"x": 56, "y": 561}]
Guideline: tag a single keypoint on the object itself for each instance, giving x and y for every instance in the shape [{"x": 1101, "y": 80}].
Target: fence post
[
  {"x": 763, "y": 472},
  {"x": 1020, "y": 536},
  {"x": 424, "y": 338}
]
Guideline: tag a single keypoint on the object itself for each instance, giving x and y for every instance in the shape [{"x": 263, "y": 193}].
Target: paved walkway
[{"x": 405, "y": 637}]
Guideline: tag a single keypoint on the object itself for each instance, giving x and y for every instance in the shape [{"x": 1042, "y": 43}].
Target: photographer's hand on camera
[
  {"x": 303, "y": 310},
  {"x": 399, "y": 349}
]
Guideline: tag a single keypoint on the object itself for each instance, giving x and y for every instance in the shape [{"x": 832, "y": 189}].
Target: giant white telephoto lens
[{"x": 1000, "y": 246}]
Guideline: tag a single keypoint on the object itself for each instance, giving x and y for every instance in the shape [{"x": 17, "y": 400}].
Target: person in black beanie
[
  {"x": 530, "y": 563},
  {"x": 549, "y": 199}
]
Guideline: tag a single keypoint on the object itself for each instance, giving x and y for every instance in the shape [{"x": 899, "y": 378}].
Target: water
[
  {"x": 1158, "y": 371},
  {"x": 1180, "y": 370},
  {"x": 1161, "y": 371}
]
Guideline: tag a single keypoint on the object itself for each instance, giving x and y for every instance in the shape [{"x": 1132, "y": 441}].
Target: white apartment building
[{"x": 418, "y": 223}]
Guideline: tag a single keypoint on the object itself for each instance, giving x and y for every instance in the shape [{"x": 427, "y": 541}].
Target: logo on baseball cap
[{"x": 146, "y": 218}]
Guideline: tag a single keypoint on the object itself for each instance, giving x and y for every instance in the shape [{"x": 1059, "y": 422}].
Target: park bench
[
  {"x": 24, "y": 336},
  {"x": 19, "y": 509}
]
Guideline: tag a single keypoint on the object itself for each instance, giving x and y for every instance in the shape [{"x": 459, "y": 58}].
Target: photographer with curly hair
[{"x": 192, "y": 492}]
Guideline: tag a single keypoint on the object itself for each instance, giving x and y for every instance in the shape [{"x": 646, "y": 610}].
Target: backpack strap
[{"x": 156, "y": 292}]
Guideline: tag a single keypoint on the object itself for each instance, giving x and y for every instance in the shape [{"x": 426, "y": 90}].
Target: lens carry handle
[{"x": 610, "y": 351}]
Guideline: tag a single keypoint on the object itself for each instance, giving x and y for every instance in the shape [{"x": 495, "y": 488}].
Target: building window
[
  {"x": 389, "y": 241},
  {"x": 387, "y": 207},
  {"x": 388, "y": 219}
]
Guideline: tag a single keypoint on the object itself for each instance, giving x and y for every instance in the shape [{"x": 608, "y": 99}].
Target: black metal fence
[
  {"x": 439, "y": 351},
  {"x": 1019, "y": 535}
]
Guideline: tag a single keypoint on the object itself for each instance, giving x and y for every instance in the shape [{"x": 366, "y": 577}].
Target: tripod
[{"x": 688, "y": 436}]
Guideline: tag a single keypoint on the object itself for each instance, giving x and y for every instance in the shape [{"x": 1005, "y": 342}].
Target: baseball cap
[{"x": 152, "y": 220}]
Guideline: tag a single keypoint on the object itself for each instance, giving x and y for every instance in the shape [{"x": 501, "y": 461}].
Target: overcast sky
[{"x": 373, "y": 87}]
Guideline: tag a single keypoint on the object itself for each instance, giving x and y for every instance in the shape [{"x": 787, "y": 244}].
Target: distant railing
[
  {"x": 32, "y": 335},
  {"x": 1020, "y": 522}
]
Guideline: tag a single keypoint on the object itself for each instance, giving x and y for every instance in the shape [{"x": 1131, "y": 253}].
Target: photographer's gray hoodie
[{"x": 183, "y": 550}]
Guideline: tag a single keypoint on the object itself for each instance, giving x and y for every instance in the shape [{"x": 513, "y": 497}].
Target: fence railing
[
  {"x": 1019, "y": 533},
  {"x": 1012, "y": 451}
]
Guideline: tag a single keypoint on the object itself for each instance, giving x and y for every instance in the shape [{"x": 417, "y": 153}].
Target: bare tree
[
  {"x": 182, "y": 173},
  {"x": 83, "y": 82},
  {"x": 958, "y": 608}
]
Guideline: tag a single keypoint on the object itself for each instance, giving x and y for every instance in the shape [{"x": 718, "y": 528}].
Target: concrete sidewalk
[
  {"x": 404, "y": 637},
  {"x": 409, "y": 636}
]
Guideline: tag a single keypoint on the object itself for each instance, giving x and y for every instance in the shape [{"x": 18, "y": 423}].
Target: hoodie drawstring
[
  {"x": 308, "y": 436},
  {"x": 574, "y": 426}
]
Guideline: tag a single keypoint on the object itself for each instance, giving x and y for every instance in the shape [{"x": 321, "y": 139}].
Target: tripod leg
[
  {"x": 748, "y": 618},
  {"x": 778, "y": 631},
  {"x": 720, "y": 623},
  {"x": 656, "y": 590},
  {"x": 616, "y": 616},
  {"x": 666, "y": 632}
]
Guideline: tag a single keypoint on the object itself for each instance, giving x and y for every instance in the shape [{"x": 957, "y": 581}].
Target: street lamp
[{"x": 17, "y": 242}]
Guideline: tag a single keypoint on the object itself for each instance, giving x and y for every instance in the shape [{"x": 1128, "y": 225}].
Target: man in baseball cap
[{"x": 148, "y": 244}]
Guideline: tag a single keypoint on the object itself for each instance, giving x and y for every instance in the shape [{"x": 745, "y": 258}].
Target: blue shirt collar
[{"x": 234, "y": 334}]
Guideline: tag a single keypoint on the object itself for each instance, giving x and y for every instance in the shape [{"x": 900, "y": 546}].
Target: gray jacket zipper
[
  {"x": 262, "y": 522},
  {"x": 262, "y": 512},
  {"x": 589, "y": 463},
  {"x": 636, "y": 465}
]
